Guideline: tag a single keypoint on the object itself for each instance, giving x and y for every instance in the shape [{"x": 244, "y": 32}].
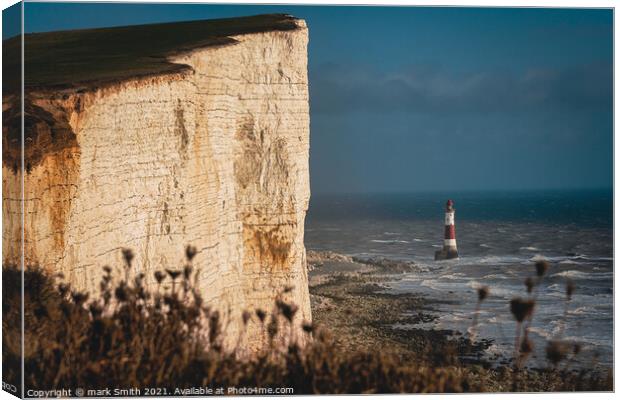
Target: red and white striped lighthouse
[{"x": 449, "y": 250}]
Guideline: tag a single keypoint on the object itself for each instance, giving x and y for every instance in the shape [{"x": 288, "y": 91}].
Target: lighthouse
[{"x": 449, "y": 239}]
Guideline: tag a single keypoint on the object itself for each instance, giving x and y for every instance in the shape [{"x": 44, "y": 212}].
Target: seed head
[
  {"x": 246, "y": 317},
  {"x": 128, "y": 256},
  {"x": 529, "y": 284},
  {"x": 159, "y": 276},
  {"x": 483, "y": 293},
  {"x": 521, "y": 308},
  {"x": 556, "y": 351},
  {"x": 107, "y": 269},
  {"x": 307, "y": 327},
  {"x": 121, "y": 292},
  {"x": 173, "y": 274},
  {"x": 63, "y": 289},
  {"x": 541, "y": 267},
  {"x": 288, "y": 310},
  {"x": 190, "y": 252},
  {"x": 79, "y": 297},
  {"x": 261, "y": 315}
]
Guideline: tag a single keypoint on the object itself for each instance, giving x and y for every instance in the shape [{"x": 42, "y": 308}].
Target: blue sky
[{"x": 422, "y": 99}]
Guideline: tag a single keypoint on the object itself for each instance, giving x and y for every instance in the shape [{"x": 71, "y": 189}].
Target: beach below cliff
[{"x": 352, "y": 298}]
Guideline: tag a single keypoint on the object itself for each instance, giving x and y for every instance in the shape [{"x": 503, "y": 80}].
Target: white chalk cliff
[{"x": 214, "y": 154}]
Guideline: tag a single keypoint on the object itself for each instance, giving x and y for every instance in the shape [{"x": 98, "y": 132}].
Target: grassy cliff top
[{"x": 88, "y": 57}]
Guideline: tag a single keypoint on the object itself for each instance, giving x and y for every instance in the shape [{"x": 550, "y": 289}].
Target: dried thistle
[
  {"x": 541, "y": 267},
  {"x": 121, "y": 292},
  {"x": 127, "y": 256},
  {"x": 529, "y": 284},
  {"x": 63, "y": 289},
  {"x": 521, "y": 309},
  {"x": 307, "y": 327},
  {"x": 79, "y": 297},
  {"x": 261, "y": 315},
  {"x": 159, "y": 276},
  {"x": 288, "y": 310},
  {"x": 190, "y": 252},
  {"x": 556, "y": 351},
  {"x": 173, "y": 274},
  {"x": 246, "y": 317},
  {"x": 483, "y": 293}
]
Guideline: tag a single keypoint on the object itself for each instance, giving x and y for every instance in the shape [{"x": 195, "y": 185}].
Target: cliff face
[{"x": 214, "y": 155}]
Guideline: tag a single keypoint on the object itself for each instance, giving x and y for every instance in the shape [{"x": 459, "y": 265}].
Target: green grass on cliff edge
[{"x": 90, "y": 57}]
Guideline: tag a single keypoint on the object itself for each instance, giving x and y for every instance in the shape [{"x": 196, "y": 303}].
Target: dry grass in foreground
[{"x": 130, "y": 336}]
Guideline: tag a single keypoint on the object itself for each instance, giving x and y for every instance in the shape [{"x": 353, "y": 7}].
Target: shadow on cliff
[{"x": 167, "y": 337}]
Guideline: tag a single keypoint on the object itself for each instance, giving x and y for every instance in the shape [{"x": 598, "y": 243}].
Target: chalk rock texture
[{"x": 214, "y": 155}]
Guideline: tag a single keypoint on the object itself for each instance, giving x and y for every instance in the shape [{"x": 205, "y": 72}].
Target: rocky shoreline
[{"x": 349, "y": 296}]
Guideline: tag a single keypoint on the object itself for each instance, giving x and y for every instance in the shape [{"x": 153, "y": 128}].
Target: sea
[{"x": 500, "y": 236}]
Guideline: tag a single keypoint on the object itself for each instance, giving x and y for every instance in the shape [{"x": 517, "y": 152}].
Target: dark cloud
[{"x": 422, "y": 89}]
